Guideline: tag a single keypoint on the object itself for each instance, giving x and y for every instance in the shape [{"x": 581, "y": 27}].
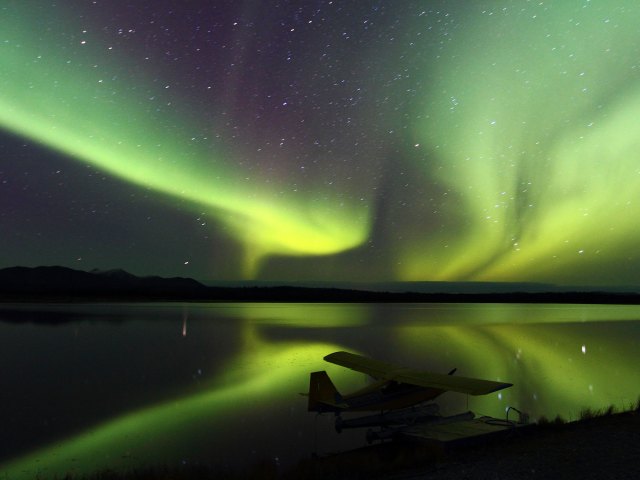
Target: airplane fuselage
[{"x": 388, "y": 395}]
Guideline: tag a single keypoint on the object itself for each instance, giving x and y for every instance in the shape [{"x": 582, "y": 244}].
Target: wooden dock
[{"x": 460, "y": 431}]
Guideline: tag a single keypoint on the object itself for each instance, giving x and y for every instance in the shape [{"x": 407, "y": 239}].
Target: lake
[{"x": 87, "y": 387}]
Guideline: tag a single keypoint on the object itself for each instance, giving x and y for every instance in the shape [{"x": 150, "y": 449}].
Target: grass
[
  {"x": 589, "y": 413},
  {"x": 545, "y": 422}
]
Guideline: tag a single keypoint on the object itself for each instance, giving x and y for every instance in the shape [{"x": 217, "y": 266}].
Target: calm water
[{"x": 86, "y": 387}]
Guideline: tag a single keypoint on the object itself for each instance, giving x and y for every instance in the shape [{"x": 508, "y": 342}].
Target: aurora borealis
[{"x": 324, "y": 140}]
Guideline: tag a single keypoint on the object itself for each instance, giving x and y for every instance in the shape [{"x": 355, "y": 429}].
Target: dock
[
  {"x": 460, "y": 431},
  {"x": 457, "y": 429}
]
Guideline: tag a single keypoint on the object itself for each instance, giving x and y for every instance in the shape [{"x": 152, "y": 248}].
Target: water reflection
[
  {"x": 551, "y": 367},
  {"x": 224, "y": 424},
  {"x": 250, "y": 361}
]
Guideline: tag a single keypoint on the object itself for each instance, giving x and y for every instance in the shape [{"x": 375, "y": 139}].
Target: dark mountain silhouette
[
  {"x": 66, "y": 284},
  {"x": 62, "y": 281}
]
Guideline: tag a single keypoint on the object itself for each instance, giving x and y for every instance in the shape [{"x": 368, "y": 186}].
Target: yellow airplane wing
[
  {"x": 362, "y": 364},
  {"x": 472, "y": 386},
  {"x": 387, "y": 371}
]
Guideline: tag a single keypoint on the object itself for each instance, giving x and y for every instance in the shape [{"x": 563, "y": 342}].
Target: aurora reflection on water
[{"x": 254, "y": 359}]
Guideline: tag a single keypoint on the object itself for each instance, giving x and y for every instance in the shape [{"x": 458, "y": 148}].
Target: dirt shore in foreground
[{"x": 602, "y": 447}]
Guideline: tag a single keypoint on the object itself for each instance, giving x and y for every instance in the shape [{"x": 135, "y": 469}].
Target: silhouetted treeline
[{"x": 64, "y": 284}]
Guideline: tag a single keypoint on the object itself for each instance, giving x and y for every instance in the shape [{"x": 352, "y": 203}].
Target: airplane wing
[
  {"x": 382, "y": 370},
  {"x": 472, "y": 386},
  {"x": 362, "y": 364}
]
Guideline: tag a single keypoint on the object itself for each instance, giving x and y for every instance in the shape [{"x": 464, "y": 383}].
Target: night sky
[{"x": 323, "y": 140}]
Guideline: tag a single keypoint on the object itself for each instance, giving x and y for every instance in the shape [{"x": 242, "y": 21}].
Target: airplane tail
[{"x": 323, "y": 395}]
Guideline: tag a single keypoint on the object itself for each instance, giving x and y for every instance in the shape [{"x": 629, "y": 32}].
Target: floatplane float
[{"x": 400, "y": 396}]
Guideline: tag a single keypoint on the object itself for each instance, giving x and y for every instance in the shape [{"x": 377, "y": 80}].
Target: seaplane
[{"x": 399, "y": 394}]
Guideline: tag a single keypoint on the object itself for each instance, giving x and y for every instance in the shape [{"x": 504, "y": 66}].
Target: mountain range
[{"x": 55, "y": 283}]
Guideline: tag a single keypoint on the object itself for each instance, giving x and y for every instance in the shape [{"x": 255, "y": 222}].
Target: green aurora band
[
  {"x": 527, "y": 120},
  {"x": 533, "y": 122},
  {"x": 66, "y": 101}
]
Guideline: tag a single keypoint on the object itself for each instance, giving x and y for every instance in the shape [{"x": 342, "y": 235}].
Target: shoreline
[
  {"x": 605, "y": 445},
  {"x": 313, "y": 295},
  {"x": 65, "y": 285}
]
